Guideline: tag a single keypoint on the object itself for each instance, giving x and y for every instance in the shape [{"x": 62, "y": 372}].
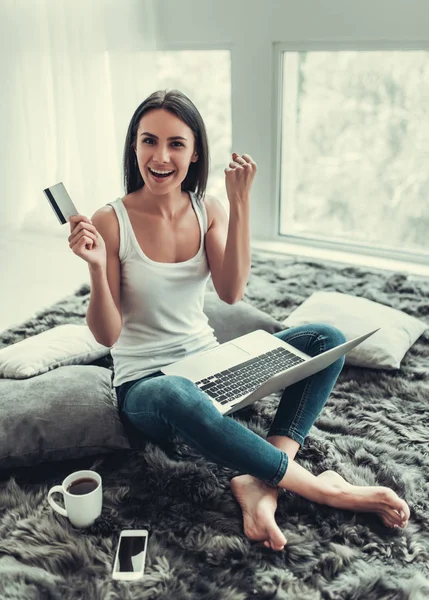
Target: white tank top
[{"x": 161, "y": 304}]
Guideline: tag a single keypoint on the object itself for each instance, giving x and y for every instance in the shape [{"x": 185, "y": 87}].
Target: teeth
[{"x": 160, "y": 172}]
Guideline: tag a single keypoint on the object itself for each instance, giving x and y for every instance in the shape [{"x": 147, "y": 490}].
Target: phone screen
[{"x": 131, "y": 554}]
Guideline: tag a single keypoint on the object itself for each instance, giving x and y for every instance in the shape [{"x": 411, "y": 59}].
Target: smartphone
[
  {"x": 130, "y": 555},
  {"x": 60, "y": 202}
]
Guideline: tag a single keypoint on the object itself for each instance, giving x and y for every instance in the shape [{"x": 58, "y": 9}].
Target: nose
[{"x": 161, "y": 154}]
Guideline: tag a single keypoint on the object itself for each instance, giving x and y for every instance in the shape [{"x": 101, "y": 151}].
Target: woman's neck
[{"x": 168, "y": 206}]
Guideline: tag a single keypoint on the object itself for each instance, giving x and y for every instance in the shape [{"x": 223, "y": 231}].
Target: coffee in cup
[
  {"x": 79, "y": 487},
  {"x": 83, "y": 497}
]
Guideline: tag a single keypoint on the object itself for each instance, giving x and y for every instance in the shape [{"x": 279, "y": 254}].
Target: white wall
[{"x": 250, "y": 28}]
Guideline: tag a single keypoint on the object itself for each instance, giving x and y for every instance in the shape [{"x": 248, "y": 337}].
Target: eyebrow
[{"x": 174, "y": 137}]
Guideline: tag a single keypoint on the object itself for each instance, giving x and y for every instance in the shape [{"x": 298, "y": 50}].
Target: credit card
[{"x": 61, "y": 202}]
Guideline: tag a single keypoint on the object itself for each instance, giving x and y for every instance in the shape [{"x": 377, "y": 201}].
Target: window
[{"x": 355, "y": 148}]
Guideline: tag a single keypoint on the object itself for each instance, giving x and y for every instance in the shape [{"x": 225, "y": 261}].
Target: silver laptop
[{"x": 237, "y": 373}]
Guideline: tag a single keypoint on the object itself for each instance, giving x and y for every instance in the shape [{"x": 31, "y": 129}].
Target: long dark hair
[{"x": 180, "y": 105}]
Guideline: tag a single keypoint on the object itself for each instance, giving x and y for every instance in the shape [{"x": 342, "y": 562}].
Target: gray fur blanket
[{"x": 374, "y": 430}]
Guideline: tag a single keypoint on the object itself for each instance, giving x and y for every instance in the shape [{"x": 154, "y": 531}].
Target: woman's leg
[
  {"x": 161, "y": 406},
  {"x": 302, "y": 402},
  {"x": 164, "y": 406},
  {"x": 299, "y": 407}
]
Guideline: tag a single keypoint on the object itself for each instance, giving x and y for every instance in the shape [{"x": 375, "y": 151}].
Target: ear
[{"x": 194, "y": 157}]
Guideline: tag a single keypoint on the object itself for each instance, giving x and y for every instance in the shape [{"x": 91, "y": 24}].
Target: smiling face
[{"x": 164, "y": 144}]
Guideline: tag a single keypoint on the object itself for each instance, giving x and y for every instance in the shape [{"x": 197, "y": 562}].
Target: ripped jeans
[{"x": 161, "y": 406}]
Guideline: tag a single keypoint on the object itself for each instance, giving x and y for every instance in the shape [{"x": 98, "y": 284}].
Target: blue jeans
[{"x": 162, "y": 406}]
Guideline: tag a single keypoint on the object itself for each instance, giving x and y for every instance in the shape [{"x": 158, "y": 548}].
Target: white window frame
[{"x": 315, "y": 244}]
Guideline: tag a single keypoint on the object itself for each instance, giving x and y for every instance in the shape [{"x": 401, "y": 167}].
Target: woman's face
[{"x": 164, "y": 143}]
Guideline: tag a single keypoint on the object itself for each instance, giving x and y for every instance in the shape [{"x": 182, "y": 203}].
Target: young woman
[{"x": 150, "y": 255}]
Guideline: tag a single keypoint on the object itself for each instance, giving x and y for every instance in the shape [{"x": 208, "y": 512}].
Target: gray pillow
[
  {"x": 66, "y": 413},
  {"x": 232, "y": 320}
]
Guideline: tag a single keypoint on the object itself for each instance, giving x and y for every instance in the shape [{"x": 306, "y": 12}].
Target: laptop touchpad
[
  {"x": 208, "y": 363},
  {"x": 226, "y": 357}
]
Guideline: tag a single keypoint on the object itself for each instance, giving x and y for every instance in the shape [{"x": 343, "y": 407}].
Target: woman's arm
[
  {"x": 103, "y": 316},
  {"x": 228, "y": 243}
]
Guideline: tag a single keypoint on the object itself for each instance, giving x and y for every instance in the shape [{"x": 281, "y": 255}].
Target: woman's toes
[
  {"x": 275, "y": 537},
  {"x": 277, "y": 547},
  {"x": 405, "y": 513},
  {"x": 393, "y": 518},
  {"x": 401, "y": 514},
  {"x": 388, "y": 521},
  {"x": 272, "y": 546}
]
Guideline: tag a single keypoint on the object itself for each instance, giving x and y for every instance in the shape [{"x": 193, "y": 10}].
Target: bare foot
[
  {"x": 258, "y": 502},
  {"x": 382, "y": 500}
]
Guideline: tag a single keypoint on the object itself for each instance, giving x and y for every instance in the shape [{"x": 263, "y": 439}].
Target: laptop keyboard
[{"x": 247, "y": 376}]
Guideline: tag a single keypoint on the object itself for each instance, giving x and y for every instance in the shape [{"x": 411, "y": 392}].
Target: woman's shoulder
[
  {"x": 105, "y": 214},
  {"x": 129, "y": 199},
  {"x": 214, "y": 208},
  {"x": 106, "y": 222}
]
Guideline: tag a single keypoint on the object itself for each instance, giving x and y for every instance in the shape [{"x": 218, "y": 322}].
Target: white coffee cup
[{"x": 81, "y": 508}]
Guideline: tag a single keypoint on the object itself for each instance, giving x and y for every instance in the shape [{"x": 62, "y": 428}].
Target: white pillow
[
  {"x": 355, "y": 316},
  {"x": 56, "y": 347}
]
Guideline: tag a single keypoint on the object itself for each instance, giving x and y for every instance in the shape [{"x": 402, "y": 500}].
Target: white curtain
[{"x": 71, "y": 74}]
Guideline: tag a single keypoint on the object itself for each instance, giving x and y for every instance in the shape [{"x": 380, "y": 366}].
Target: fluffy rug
[{"x": 374, "y": 430}]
